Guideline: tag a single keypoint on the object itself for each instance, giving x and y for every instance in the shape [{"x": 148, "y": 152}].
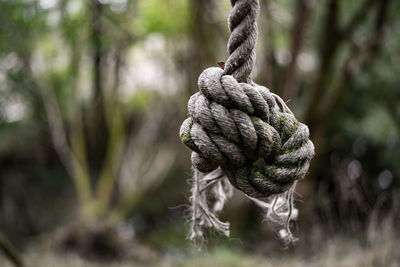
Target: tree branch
[
  {"x": 62, "y": 148},
  {"x": 356, "y": 20},
  {"x": 327, "y": 49},
  {"x": 334, "y": 36},
  {"x": 298, "y": 34},
  {"x": 359, "y": 59},
  {"x": 269, "y": 65}
]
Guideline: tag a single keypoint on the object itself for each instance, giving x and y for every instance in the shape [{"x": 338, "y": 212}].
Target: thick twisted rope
[
  {"x": 242, "y": 42},
  {"x": 241, "y": 128}
]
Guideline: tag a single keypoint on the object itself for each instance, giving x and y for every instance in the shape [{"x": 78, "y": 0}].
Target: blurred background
[{"x": 92, "y": 95}]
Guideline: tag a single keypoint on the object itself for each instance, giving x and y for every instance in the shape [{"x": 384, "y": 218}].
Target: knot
[{"x": 247, "y": 131}]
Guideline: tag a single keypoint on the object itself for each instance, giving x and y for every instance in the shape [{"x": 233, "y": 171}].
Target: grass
[{"x": 377, "y": 249}]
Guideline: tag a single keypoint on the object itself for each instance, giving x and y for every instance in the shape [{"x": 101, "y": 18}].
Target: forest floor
[{"x": 336, "y": 252}]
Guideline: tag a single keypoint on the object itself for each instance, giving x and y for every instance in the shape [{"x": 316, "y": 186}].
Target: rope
[
  {"x": 241, "y": 45},
  {"x": 241, "y": 127}
]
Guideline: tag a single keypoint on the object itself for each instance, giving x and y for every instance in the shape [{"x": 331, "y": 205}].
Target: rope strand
[{"x": 241, "y": 45}]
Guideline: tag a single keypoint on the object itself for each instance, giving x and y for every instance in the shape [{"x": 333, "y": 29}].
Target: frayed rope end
[
  {"x": 210, "y": 192},
  {"x": 280, "y": 211}
]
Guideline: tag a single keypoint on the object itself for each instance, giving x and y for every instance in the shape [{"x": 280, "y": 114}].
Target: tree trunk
[{"x": 96, "y": 128}]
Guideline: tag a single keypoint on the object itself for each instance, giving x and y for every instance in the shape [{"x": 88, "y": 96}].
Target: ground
[{"x": 337, "y": 252}]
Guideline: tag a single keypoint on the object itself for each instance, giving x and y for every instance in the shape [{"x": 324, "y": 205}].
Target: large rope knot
[
  {"x": 241, "y": 130},
  {"x": 249, "y": 132}
]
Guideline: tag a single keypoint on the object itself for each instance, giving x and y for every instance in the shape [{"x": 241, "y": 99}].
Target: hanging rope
[
  {"x": 240, "y": 130},
  {"x": 242, "y": 42}
]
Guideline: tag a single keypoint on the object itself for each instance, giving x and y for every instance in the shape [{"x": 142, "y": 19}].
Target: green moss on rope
[
  {"x": 271, "y": 172},
  {"x": 288, "y": 151},
  {"x": 250, "y": 110},
  {"x": 185, "y": 137},
  {"x": 255, "y": 120},
  {"x": 288, "y": 125},
  {"x": 265, "y": 173}
]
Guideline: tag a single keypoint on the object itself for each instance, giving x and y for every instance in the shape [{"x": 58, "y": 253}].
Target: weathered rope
[
  {"x": 242, "y": 42},
  {"x": 241, "y": 128}
]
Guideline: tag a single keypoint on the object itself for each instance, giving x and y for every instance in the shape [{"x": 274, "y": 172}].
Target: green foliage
[
  {"x": 27, "y": 18},
  {"x": 141, "y": 100},
  {"x": 72, "y": 25},
  {"x": 170, "y": 17}
]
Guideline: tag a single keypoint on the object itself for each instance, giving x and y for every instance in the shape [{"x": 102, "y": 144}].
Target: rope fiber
[{"x": 242, "y": 128}]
